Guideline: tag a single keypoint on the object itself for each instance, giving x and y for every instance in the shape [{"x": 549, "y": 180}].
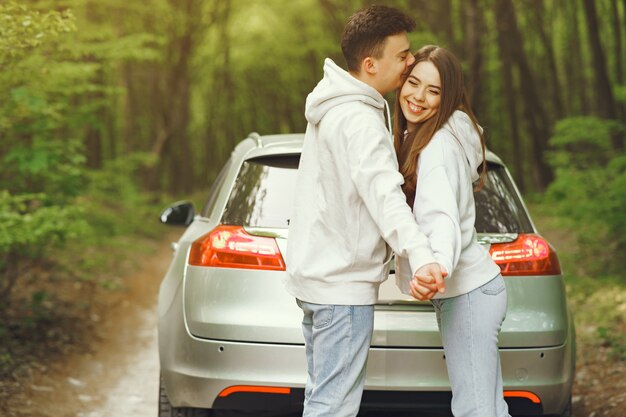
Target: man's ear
[{"x": 369, "y": 66}]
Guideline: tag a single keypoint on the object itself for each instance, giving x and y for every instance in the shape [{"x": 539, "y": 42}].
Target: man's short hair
[{"x": 365, "y": 33}]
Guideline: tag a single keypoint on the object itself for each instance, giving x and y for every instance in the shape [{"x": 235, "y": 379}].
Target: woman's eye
[{"x": 434, "y": 92}]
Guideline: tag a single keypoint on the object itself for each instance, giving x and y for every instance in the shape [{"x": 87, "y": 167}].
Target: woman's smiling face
[{"x": 420, "y": 95}]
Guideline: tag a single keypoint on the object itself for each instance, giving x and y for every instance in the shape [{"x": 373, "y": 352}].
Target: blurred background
[{"x": 109, "y": 109}]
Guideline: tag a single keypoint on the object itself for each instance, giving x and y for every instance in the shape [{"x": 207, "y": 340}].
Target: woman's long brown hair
[{"x": 453, "y": 97}]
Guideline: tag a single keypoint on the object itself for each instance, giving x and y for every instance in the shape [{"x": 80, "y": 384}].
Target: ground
[{"x": 99, "y": 358}]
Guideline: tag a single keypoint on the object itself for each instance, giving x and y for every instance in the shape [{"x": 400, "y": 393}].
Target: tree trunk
[
  {"x": 576, "y": 93},
  {"x": 624, "y": 24},
  {"x": 617, "y": 45},
  {"x": 534, "y": 113},
  {"x": 438, "y": 18},
  {"x": 93, "y": 146},
  {"x": 539, "y": 11},
  {"x": 178, "y": 105},
  {"x": 619, "y": 57},
  {"x": 517, "y": 151},
  {"x": 475, "y": 28},
  {"x": 605, "y": 101},
  {"x": 128, "y": 77},
  {"x": 443, "y": 19},
  {"x": 172, "y": 144},
  {"x": 222, "y": 93},
  {"x": 93, "y": 137}
]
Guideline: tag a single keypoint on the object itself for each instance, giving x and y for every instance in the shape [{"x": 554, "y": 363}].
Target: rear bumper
[
  {"x": 384, "y": 401},
  {"x": 230, "y": 375}
]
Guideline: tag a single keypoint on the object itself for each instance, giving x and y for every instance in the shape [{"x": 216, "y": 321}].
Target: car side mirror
[{"x": 180, "y": 213}]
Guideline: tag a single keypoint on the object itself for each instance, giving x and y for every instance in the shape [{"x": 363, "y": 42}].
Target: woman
[{"x": 441, "y": 150}]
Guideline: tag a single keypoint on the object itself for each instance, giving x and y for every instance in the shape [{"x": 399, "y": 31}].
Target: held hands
[{"x": 427, "y": 281}]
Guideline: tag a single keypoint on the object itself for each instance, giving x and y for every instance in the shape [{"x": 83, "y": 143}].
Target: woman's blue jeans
[
  {"x": 337, "y": 340},
  {"x": 469, "y": 326}
]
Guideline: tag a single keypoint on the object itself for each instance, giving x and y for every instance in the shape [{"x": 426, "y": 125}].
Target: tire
[{"x": 166, "y": 409}]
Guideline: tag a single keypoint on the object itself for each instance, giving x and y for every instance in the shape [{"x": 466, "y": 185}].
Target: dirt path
[
  {"x": 118, "y": 374},
  {"x": 134, "y": 389}
]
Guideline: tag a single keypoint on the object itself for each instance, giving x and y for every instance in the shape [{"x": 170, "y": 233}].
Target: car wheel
[{"x": 166, "y": 409}]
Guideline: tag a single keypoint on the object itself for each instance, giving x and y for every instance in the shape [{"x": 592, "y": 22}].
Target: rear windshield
[
  {"x": 263, "y": 195},
  {"x": 498, "y": 207}
]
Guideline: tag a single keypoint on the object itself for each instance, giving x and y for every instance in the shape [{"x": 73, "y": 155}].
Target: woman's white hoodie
[
  {"x": 445, "y": 210},
  {"x": 348, "y": 203}
]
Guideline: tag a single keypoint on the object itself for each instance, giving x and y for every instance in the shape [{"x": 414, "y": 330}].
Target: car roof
[{"x": 258, "y": 146}]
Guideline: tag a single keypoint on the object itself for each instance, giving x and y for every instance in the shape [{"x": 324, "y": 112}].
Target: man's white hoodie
[
  {"x": 445, "y": 209},
  {"x": 348, "y": 200}
]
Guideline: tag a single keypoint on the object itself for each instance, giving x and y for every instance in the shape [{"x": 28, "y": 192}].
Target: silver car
[{"x": 230, "y": 336}]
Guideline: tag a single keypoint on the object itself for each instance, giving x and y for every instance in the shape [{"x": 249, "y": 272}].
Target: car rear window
[
  {"x": 262, "y": 196},
  {"x": 263, "y": 193},
  {"x": 498, "y": 207}
]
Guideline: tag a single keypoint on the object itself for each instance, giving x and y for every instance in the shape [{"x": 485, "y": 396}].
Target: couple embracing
[{"x": 359, "y": 193}]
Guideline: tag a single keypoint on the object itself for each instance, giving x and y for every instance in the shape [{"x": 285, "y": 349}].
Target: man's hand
[{"x": 427, "y": 281}]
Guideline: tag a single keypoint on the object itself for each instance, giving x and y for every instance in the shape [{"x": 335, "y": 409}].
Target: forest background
[{"x": 109, "y": 109}]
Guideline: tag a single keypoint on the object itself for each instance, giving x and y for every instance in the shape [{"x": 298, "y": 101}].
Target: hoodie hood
[
  {"x": 338, "y": 87},
  {"x": 462, "y": 128}
]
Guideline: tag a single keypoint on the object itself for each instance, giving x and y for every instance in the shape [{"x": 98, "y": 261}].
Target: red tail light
[
  {"x": 232, "y": 247},
  {"x": 529, "y": 254}
]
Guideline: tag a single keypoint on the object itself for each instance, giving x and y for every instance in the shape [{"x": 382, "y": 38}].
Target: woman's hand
[{"x": 428, "y": 281}]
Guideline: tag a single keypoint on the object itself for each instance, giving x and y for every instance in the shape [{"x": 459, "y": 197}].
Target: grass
[{"x": 596, "y": 298}]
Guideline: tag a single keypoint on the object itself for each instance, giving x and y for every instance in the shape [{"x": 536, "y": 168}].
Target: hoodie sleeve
[
  {"x": 374, "y": 171},
  {"x": 436, "y": 206}
]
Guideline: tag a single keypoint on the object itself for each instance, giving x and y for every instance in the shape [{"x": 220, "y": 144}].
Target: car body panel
[{"x": 233, "y": 304}]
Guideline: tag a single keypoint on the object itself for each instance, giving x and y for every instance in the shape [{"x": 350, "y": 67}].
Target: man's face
[{"x": 393, "y": 63}]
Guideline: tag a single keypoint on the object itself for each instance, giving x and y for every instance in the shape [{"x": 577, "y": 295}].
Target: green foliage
[
  {"x": 50, "y": 166},
  {"x": 114, "y": 201},
  {"x": 22, "y": 29},
  {"x": 589, "y": 190},
  {"x": 598, "y": 306},
  {"x": 56, "y": 88},
  {"x": 596, "y": 296},
  {"x": 40, "y": 168},
  {"x": 620, "y": 93},
  {"x": 614, "y": 339},
  {"x": 29, "y": 224},
  {"x": 257, "y": 82}
]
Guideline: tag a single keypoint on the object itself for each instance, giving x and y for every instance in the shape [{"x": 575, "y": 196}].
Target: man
[{"x": 348, "y": 207}]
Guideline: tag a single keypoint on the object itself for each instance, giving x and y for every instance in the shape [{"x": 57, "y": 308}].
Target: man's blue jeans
[
  {"x": 337, "y": 340},
  {"x": 469, "y": 326}
]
